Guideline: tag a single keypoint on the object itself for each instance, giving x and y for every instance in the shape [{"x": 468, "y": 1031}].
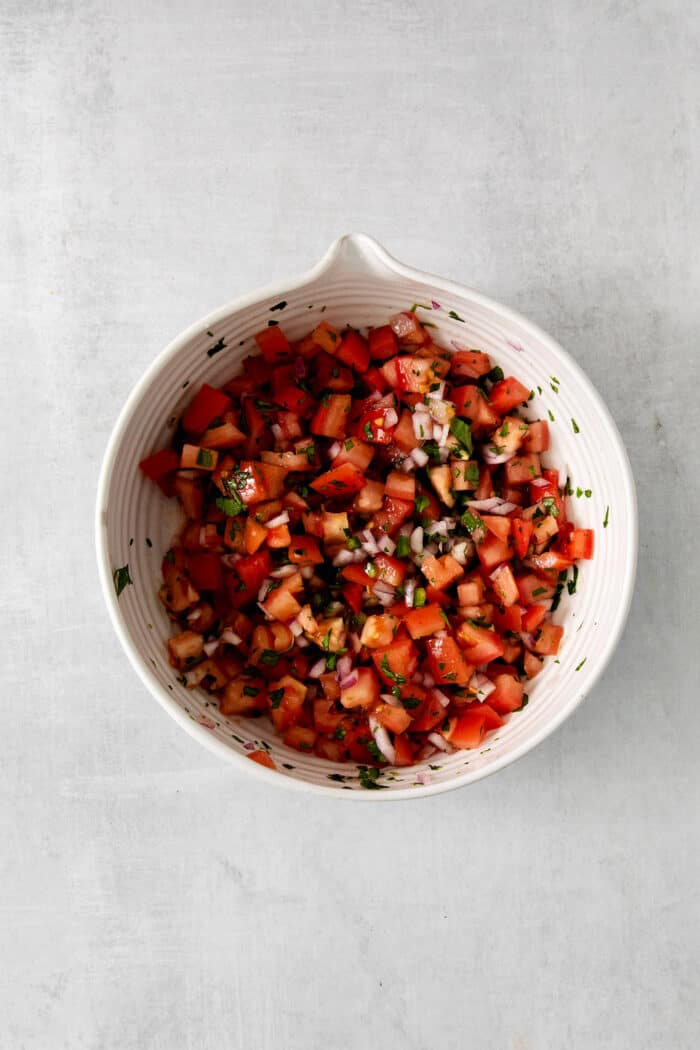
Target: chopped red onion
[
  {"x": 527, "y": 639},
  {"x": 562, "y": 476},
  {"x": 264, "y": 588},
  {"x": 504, "y": 508},
  {"x": 441, "y": 697},
  {"x": 441, "y": 411},
  {"x": 317, "y": 669},
  {"x": 416, "y": 540},
  {"x": 343, "y": 557},
  {"x": 349, "y": 681},
  {"x": 344, "y": 667},
  {"x": 299, "y": 367},
  {"x": 438, "y": 528},
  {"x": 391, "y": 417},
  {"x": 230, "y": 637},
  {"x": 280, "y": 519},
  {"x": 296, "y": 628},
  {"x": 263, "y": 610},
  {"x": 277, "y": 431},
  {"x": 482, "y": 685},
  {"x": 459, "y": 552},
  {"x": 229, "y": 560},
  {"x": 359, "y": 555},
  {"x": 428, "y": 680},
  {"x": 440, "y": 634},
  {"x": 444, "y": 434},
  {"x": 355, "y": 643},
  {"x": 408, "y": 464},
  {"x": 422, "y": 426},
  {"x": 283, "y": 572},
  {"x": 402, "y": 324},
  {"x": 390, "y": 699},
  {"x": 439, "y": 741},
  {"x": 303, "y": 643},
  {"x": 435, "y": 306},
  {"x": 539, "y": 482},
  {"x": 382, "y": 739},
  {"x": 419, "y": 457},
  {"x": 423, "y": 778},
  {"x": 494, "y": 458},
  {"x": 485, "y": 504},
  {"x": 386, "y": 545},
  {"x": 194, "y": 615},
  {"x": 409, "y": 591},
  {"x": 334, "y": 449}
]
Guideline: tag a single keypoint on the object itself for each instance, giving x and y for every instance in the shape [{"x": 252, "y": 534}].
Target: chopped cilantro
[
  {"x": 462, "y": 431},
  {"x": 455, "y": 316},
  {"x": 574, "y": 424},
  {"x": 231, "y": 505},
  {"x": 276, "y": 698},
  {"x": 367, "y": 431},
  {"x": 204, "y": 458},
  {"x": 606, "y": 519},
  {"x": 581, "y": 664},
  {"x": 269, "y": 657},
  {"x": 250, "y": 690},
  {"x": 368, "y": 776},
  {"x": 471, "y": 521},
  {"x": 571, "y": 585},
  {"x": 349, "y": 445},
  {"x": 550, "y": 414},
  {"x": 122, "y": 578}
]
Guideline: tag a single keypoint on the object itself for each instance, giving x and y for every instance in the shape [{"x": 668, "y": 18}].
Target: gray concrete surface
[{"x": 158, "y": 159}]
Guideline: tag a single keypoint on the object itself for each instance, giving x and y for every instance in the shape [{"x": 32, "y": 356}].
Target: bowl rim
[{"x": 367, "y": 248}]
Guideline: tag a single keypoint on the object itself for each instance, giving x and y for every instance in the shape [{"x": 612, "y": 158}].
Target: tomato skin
[
  {"x": 253, "y": 569},
  {"x": 393, "y": 513},
  {"x": 579, "y": 544},
  {"x": 507, "y": 395},
  {"x": 492, "y": 551},
  {"x": 354, "y": 351},
  {"x": 390, "y": 570},
  {"x": 508, "y": 694},
  {"x": 481, "y": 645},
  {"x": 441, "y": 572},
  {"x": 429, "y": 714},
  {"x": 273, "y": 344},
  {"x": 447, "y": 663},
  {"x": 339, "y": 481},
  {"x": 537, "y": 437},
  {"x": 205, "y": 571},
  {"x": 397, "y": 661},
  {"x": 382, "y": 343},
  {"x": 468, "y": 730},
  {"x": 403, "y": 751},
  {"x": 286, "y": 393},
  {"x": 470, "y": 402},
  {"x": 533, "y": 617},
  {"x": 423, "y": 622},
  {"x": 511, "y": 619},
  {"x": 353, "y": 595},
  {"x": 157, "y": 465},
  {"x": 549, "y": 639},
  {"x": 207, "y": 404},
  {"x": 522, "y": 534},
  {"x": 331, "y": 417},
  {"x": 469, "y": 364},
  {"x": 498, "y": 526},
  {"x": 304, "y": 550}
]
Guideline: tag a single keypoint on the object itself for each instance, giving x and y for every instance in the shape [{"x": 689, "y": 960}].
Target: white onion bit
[
  {"x": 317, "y": 669},
  {"x": 416, "y": 540},
  {"x": 382, "y": 740},
  {"x": 230, "y": 637},
  {"x": 419, "y": 457},
  {"x": 439, "y": 741},
  {"x": 281, "y": 519}
]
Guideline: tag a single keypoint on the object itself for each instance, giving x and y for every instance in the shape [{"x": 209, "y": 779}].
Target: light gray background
[{"x": 158, "y": 159}]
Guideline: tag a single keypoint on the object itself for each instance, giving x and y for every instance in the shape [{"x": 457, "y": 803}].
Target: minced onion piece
[
  {"x": 307, "y": 571},
  {"x": 229, "y": 560},
  {"x": 416, "y": 540},
  {"x": 444, "y": 434},
  {"x": 296, "y": 628},
  {"x": 441, "y": 411},
  {"x": 194, "y": 615},
  {"x": 334, "y": 449},
  {"x": 230, "y": 637},
  {"x": 495, "y": 458},
  {"x": 317, "y": 669},
  {"x": 277, "y": 431},
  {"x": 359, "y": 555},
  {"x": 263, "y": 610},
  {"x": 438, "y": 528},
  {"x": 459, "y": 552},
  {"x": 562, "y": 476},
  {"x": 355, "y": 643},
  {"x": 349, "y": 681},
  {"x": 527, "y": 639},
  {"x": 487, "y": 505},
  {"x": 422, "y": 426},
  {"x": 423, "y": 778},
  {"x": 504, "y": 508},
  {"x": 280, "y": 519},
  {"x": 382, "y": 739},
  {"x": 409, "y": 591},
  {"x": 428, "y": 680},
  {"x": 391, "y": 417},
  {"x": 343, "y": 557},
  {"x": 386, "y": 545},
  {"x": 390, "y": 699},
  {"x": 419, "y": 457},
  {"x": 302, "y": 642},
  {"x": 439, "y": 741},
  {"x": 432, "y": 548},
  {"x": 264, "y": 588},
  {"x": 408, "y": 464},
  {"x": 442, "y": 698},
  {"x": 539, "y": 482},
  {"x": 211, "y": 647},
  {"x": 439, "y": 391},
  {"x": 344, "y": 667},
  {"x": 283, "y": 572},
  {"x": 440, "y": 634}
]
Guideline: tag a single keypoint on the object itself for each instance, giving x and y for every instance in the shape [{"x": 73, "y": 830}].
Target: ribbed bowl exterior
[{"x": 358, "y": 283}]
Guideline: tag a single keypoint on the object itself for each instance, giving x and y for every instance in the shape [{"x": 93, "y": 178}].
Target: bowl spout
[{"x": 357, "y": 254}]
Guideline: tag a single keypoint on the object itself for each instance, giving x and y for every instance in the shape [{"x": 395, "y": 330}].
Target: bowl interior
[{"x": 136, "y": 523}]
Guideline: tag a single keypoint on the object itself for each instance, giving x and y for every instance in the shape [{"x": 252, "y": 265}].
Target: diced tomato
[
  {"x": 497, "y": 525},
  {"x": 503, "y": 583},
  {"x": 382, "y": 343},
  {"x": 468, "y": 729},
  {"x": 372, "y": 425},
  {"x": 363, "y": 692},
  {"x": 356, "y": 574},
  {"x": 537, "y": 437},
  {"x": 287, "y": 393},
  {"x": 403, "y": 752},
  {"x": 481, "y": 645},
  {"x": 508, "y": 694},
  {"x": 471, "y": 592},
  {"x": 400, "y": 486},
  {"x": 441, "y": 572},
  {"x": 255, "y": 481},
  {"x": 395, "y": 719},
  {"x": 340, "y": 481},
  {"x": 549, "y": 562},
  {"x": 492, "y": 551},
  {"x": 425, "y": 621},
  {"x": 510, "y": 619},
  {"x": 579, "y": 544},
  {"x": 522, "y": 533},
  {"x": 469, "y": 364},
  {"x": 389, "y": 569},
  {"x": 327, "y": 717},
  {"x": 447, "y": 663},
  {"x": 205, "y": 571},
  {"x": 532, "y": 589},
  {"x": 304, "y": 550},
  {"x": 393, "y": 513},
  {"x": 262, "y": 758},
  {"x": 404, "y": 436},
  {"x": 329, "y": 374},
  {"x": 522, "y": 468},
  {"x": 533, "y": 617},
  {"x": 300, "y": 738},
  {"x": 471, "y": 402},
  {"x": 507, "y": 395},
  {"x": 273, "y": 344},
  {"x": 253, "y": 569},
  {"x": 194, "y": 457},
  {"x": 160, "y": 463},
  {"x": 327, "y": 337},
  {"x": 396, "y": 663},
  {"x": 375, "y": 380},
  {"x": 429, "y": 714},
  {"x": 279, "y": 537},
  {"x": 532, "y": 664},
  {"x": 549, "y": 639},
  {"x": 354, "y": 351},
  {"x": 206, "y": 405},
  {"x": 332, "y": 415},
  {"x": 352, "y": 593}
]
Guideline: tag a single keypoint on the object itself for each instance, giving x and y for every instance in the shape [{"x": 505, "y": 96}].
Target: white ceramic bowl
[{"x": 358, "y": 283}]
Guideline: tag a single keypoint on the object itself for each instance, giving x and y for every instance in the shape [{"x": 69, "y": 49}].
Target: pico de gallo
[{"x": 372, "y": 549}]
